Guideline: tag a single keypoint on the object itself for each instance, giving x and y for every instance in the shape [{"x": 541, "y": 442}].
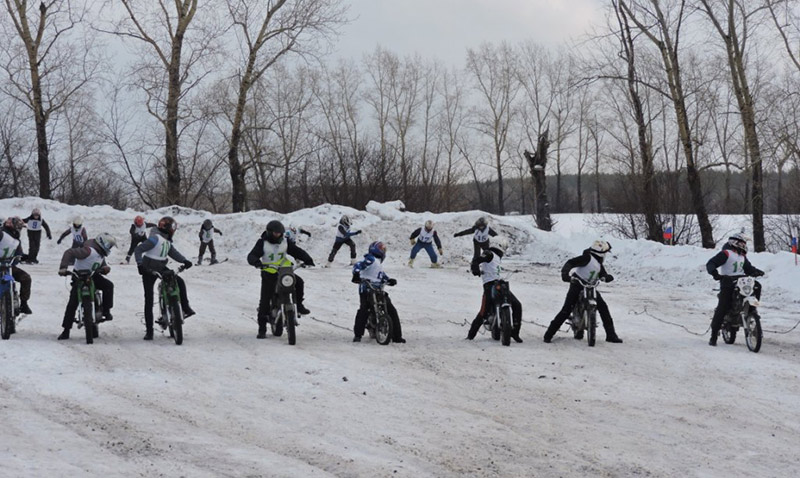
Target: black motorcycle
[
  {"x": 584, "y": 315},
  {"x": 498, "y": 321},
  {"x": 744, "y": 314},
  {"x": 379, "y": 323},
  {"x": 9, "y": 299},
  {"x": 283, "y": 312}
]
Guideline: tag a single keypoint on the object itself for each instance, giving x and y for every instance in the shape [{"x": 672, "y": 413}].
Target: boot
[
  {"x": 474, "y": 328},
  {"x": 515, "y": 333},
  {"x": 436, "y": 265},
  {"x": 127, "y": 259},
  {"x": 330, "y": 263},
  {"x": 106, "y": 317},
  {"x": 187, "y": 311},
  {"x": 713, "y": 340},
  {"x": 301, "y": 309},
  {"x": 64, "y": 335},
  {"x": 353, "y": 261},
  {"x": 148, "y": 335},
  {"x": 23, "y": 307},
  {"x": 399, "y": 341},
  {"x": 95, "y": 331},
  {"x": 357, "y": 338},
  {"x": 200, "y": 261},
  {"x": 614, "y": 339},
  {"x": 214, "y": 261},
  {"x": 411, "y": 263},
  {"x": 262, "y": 328},
  {"x": 551, "y": 332}
]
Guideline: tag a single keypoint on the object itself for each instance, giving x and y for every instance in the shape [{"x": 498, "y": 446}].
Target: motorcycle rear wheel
[
  {"x": 752, "y": 332},
  {"x": 729, "y": 334},
  {"x": 495, "y": 328},
  {"x": 7, "y": 316},
  {"x": 176, "y": 321}
]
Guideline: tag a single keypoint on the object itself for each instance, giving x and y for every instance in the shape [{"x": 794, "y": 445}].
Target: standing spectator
[{"x": 35, "y": 224}]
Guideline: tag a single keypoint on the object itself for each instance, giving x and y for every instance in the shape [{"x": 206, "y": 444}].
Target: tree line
[{"x": 670, "y": 111}]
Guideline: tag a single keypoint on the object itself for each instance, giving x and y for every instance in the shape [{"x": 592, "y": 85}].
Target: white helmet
[
  {"x": 739, "y": 241},
  {"x": 499, "y": 242},
  {"x": 106, "y": 241},
  {"x": 428, "y": 225},
  {"x": 600, "y": 247},
  {"x": 77, "y": 222},
  {"x": 345, "y": 221}
]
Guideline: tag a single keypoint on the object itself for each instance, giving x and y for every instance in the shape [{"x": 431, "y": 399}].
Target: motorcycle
[
  {"x": 90, "y": 301},
  {"x": 379, "y": 324},
  {"x": 169, "y": 303},
  {"x": 584, "y": 315},
  {"x": 498, "y": 321},
  {"x": 9, "y": 299},
  {"x": 283, "y": 312},
  {"x": 744, "y": 314}
]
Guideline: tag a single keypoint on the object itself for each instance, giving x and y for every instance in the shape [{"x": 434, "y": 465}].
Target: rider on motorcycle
[
  {"x": 488, "y": 267},
  {"x": 371, "y": 270},
  {"x": 587, "y": 266},
  {"x": 732, "y": 263}
]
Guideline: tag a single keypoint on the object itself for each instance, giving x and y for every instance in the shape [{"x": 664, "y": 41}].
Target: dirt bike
[
  {"x": 9, "y": 299},
  {"x": 584, "y": 315},
  {"x": 498, "y": 322},
  {"x": 743, "y": 314},
  {"x": 169, "y": 303},
  {"x": 379, "y": 324},
  {"x": 90, "y": 301},
  {"x": 283, "y": 312}
]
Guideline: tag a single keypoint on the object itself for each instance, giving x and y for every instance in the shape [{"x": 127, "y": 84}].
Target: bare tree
[
  {"x": 267, "y": 31},
  {"x": 732, "y": 21},
  {"x": 166, "y": 74},
  {"x": 538, "y": 163},
  {"x": 452, "y": 120},
  {"x": 45, "y": 65},
  {"x": 495, "y": 72}
]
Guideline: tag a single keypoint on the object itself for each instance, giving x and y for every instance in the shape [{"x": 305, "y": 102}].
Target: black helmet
[
  {"x": 167, "y": 225},
  {"x": 207, "y": 224},
  {"x": 275, "y": 231},
  {"x": 481, "y": 222},
  {"x": 13, "y": 225}
]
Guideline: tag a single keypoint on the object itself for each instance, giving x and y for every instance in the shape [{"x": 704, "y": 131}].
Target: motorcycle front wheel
[
  {"x": 7, "y": 316},
  {"x": 276, "y": 325},
  {"x": 505, "y": 326},
  {"x": 590, "y": 319},
  {"x": 728, "y": 334},
  {"x": 383, "y": 328},
  {"x": 290, "y": 325},
  {"x": 752, "y": 332},
  {"x": 88, "y": 320},
  {"x": 175, "y": 321}
]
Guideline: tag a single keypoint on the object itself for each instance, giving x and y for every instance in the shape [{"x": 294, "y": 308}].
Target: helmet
[
  {"x": 275, "y": 231},
  {"x": 36, "y": 212},
  {"x": 428, "y": 225},
  {"x": 77, "y": 222},
  {"x": 138, "y": 221},
  {"x": 207, "y": 224},
  {"x": 106, "y": 241},
  {"x": 738, "y": 241},
  {"x": 500, "y": 243},
  {"x": 378, "y": 249},
  {"x": 168, "y": 226},
  {"x": 345, "y": 221},
  {"x": 599, "y": 249},
  {"x": 482, "y": 222},
  {"x": 13, "y": 225}
]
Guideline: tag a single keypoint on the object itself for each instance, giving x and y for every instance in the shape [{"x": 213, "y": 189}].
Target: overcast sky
[{"x": 444, "y": 29}]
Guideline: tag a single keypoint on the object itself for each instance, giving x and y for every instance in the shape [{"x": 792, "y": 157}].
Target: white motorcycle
[{"x": 743, "y": 314}]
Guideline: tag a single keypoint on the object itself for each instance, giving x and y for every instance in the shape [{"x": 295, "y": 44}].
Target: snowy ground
[{"x": 663, "y": 403}]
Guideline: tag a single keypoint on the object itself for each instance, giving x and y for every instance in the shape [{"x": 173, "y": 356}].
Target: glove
[
  {"x": 565, "y": 277},
  {"x": 758, "y": 273},
  {"x": 476, "y": 271},
  {"x": 49, "y": 237},
  {"x": 63, "y": 272},
  {"x": 105, "y": 270},
  {"x": 220, "y": 233},
  {"x": 357, "y": 233},
  {"x": 412, "y": 241},
  {"x": 391, "y": 282},
  {"x": 58, "y": 241},
  {"x": 716, "y": 275},
  {"x": 187, "y": 264},
  {"x": 310, "y": 264},
  {"x": 441, "y": 252},
  {"x": 306, "y": 233},
  {"x": 140, "y": 268},
  {"x": 608, "y": 278},
  {"x": 24, "y": 258},
  {"x": 356, "y": 278}
]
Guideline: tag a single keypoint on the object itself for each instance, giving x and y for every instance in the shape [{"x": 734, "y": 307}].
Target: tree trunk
[
  {"x": 537, "y": 162},
  {"x": 171, "y": 124}
]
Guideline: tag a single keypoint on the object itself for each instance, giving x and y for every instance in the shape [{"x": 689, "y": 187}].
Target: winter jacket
[
  {"x": 79, "y": 255},
  {"x": 255, "y": 255},
  {"x": 157, "y": 262},
  {"x": 30, "y": 220},
  {"x": 479, "y": 234},
  {"x": 583, "y": 260},
  {"x": 731, "y": 263},
  {"x": 418, "y": 231}
]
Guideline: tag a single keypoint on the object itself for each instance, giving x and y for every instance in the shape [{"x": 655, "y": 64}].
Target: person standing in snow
[
  {"x": 481, "y": 232},
  {"x": 488, "y": 267},
  {"x": 268, "y": 254},
  {"x": 77, "y": 231},
  {"x": 732, "y": 264},
  {"x": 589, "y": 267},
  {"x": 138, "y": 232},
  {"x": 343, "y": 236},
  {"x": 371, "y": 270},
  {"x": 423, "y": 238},
  {"x": 35, "y": 223},
  {"x": 11, "y": 247},
  {"x": 89, "y": 257},
  {"x": 206, "y": 235},
  {"x": 151, "y": 256}
]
